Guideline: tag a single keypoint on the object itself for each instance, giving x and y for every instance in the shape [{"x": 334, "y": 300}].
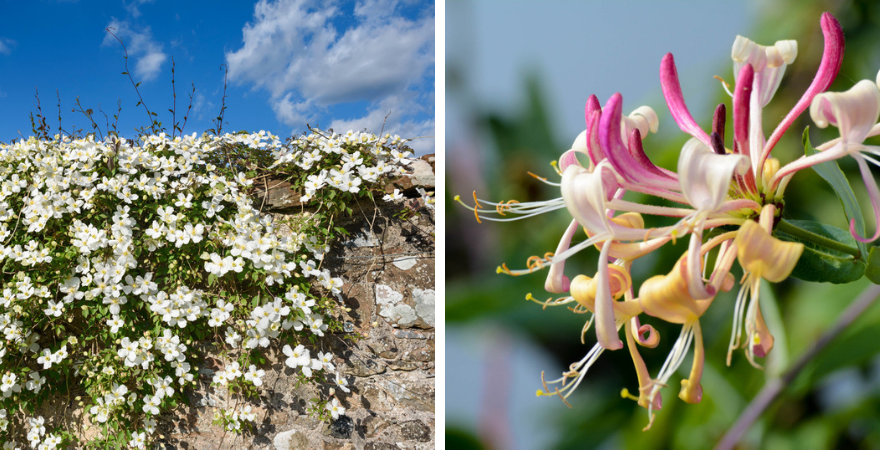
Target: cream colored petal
[
  {"x": 705, "y": 176},
  {"x": 854, "y": 111},
  {"x": 764, "y": 255},
  {"x": 584, "y": 196},
  {"x": 666, "y": 297}
]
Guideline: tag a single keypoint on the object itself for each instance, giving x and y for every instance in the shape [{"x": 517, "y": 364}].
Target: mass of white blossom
[
  {"x": 389, "y": 153},
  {"x": 113, "y": 251}
]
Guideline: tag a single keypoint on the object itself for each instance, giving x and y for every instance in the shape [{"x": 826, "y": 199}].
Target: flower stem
[
  {"x": 774, "y": 387},
  {"x": 817, "y": 239}
]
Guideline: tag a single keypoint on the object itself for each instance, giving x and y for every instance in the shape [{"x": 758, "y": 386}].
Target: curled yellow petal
[
  {"x": 583, "y": 288},
  {"x": 630, "y": 220},
  {"x": 667, "y": 297},
  {"x": 765, "y": 256},
  {"x": 631, "y": 250},
  {"x": 645, "y": 381},
  {"x": 691, "y": 389}
]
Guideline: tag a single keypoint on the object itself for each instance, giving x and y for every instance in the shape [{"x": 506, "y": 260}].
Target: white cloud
[
  {"x": 6, "y": 46},
  {"x": 390, "y": 116},
  {"x": 291, "y": 112},
  {"x": 293, "y": 50},
  {"x": 132, "y": 6},
  {"x": 141, "y": 46},
  {"x": 202, "y": 108}
]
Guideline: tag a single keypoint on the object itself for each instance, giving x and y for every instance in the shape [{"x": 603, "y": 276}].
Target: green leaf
[
  {"x": 872, "y": 272},
  {"x": 822, "y": 263},
  {"x": 830, "y": 172}
]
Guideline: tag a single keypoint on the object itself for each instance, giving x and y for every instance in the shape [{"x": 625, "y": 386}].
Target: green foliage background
[{"x": 797, "y": 312}]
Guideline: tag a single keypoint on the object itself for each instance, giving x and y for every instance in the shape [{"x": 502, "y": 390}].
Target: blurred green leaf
[
  {"x": 852, "y": 349},
  {"x": 872, "y": 271},
  {"x": 461, "y": 439},
  {"x": 830, "y": 172},
  {"x": 822, "y": 263}
]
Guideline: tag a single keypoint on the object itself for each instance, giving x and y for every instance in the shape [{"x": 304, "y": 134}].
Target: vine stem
[
  {"x": 817, "y": 239},
  {"x": 774, "y": 387}
]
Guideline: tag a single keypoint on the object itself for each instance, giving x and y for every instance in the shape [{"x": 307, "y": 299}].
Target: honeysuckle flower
[
  {"x": 761, "y": 256},
  {"x": 854, "y": 112},
  {"x": 714, "y": 186},
  {"x": 668, "y": 297},
  {"x": 705, "y": 180},
  {"x": 611, "y": 281},
  {"x": 769, "y": 61},
  {"x": 757, "y": 69}
]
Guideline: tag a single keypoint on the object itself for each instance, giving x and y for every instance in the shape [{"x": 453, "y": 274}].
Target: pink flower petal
[
  {"x": 832, "y": 57},
  {"x": 674, "y": 98}
]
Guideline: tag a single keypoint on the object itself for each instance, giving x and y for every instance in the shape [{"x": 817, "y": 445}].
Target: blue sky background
[{"x": 345, "y": 65}]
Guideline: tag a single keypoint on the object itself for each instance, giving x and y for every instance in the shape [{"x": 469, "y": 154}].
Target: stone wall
[{"x": 387, "y": 263}]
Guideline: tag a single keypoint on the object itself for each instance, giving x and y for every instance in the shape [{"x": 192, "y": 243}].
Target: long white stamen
[
  {"x": 580, "y": 368},
  {"x": 872, "y": 160},
  {"x": 580, "y": 246},
  {"x": 585, "y": 363},
  {"x": 512, "y": 219},
  {"x": 623, "y": 205},
  {"x": 677, "y": 355},
  {"x": 741, "y": 298},
  {"x": 673, "y": 362},
  {"x": 751, "y": 323}
]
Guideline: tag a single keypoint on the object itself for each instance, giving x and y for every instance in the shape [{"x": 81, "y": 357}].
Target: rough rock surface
[{"x": 387, "y": 263}]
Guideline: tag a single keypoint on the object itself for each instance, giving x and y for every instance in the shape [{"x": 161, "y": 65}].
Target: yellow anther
[
  {"x": 503, "y": 269},
  {"x": 536, "y": 176},
  {"x": 579, "y": 309},
  {"x": 756, "y": 339},
  {"x": 477, "y": 206},
  {"x": 625, "y": 394},
  {"x": 534, "y": 263},
  {"x": 457, "y": 198},
  {"x": 722, "y": 81},
  {"x": 502, "y": 206},
  {"x": 556, "y": 167}
]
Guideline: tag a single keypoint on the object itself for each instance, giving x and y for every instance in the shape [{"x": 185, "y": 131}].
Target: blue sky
[{"x": 339, "y": 64}]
